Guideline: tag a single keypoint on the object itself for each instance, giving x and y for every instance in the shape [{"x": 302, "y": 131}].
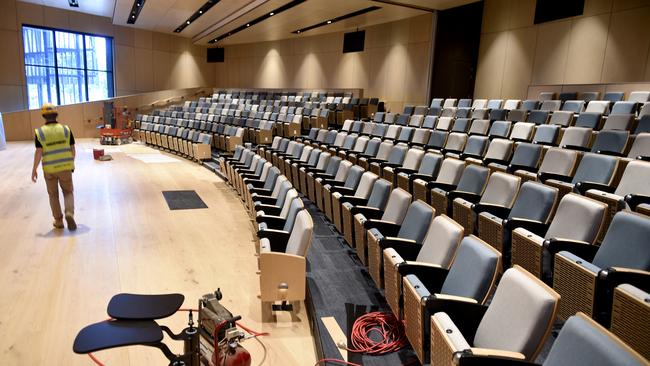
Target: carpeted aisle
[{"x": 335, "y": 276}]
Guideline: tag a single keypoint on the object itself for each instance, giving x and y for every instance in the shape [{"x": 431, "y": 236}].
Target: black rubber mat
[{"x": 183, "y": 200}]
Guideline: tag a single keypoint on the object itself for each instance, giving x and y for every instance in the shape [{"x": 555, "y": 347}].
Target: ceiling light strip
[
  {"x": 259, "y": 19},
  {"x": 202, "y": 10},
  {"x": 135, "y": 11},
  {"x": 405, "y": 5},
  {"x": 337, "y": 19}
]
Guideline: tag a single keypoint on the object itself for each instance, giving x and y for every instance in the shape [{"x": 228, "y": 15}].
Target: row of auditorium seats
[
  {"x": 346, "y": 192},
  {"x": 285, "y": 227}
]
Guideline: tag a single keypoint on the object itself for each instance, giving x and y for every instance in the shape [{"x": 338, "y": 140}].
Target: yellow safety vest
[{"x": 57, "y": 154}]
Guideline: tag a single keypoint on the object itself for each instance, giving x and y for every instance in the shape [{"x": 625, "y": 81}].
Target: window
[{"x": 64, "y": 67}]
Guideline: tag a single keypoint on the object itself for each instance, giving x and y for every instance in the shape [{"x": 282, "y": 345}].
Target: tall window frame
[{"x": 66, "y": 67}]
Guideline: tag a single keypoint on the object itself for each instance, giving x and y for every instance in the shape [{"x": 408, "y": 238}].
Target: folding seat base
[
  {"x": 310, "y": 188},
  {"x": 375, "y": 168},
  {"x": 348, "y": 225},
  {"x": 302, "y": 182}
]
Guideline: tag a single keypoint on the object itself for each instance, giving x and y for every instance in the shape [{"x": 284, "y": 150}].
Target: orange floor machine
[{"x": 215, "y": 340}]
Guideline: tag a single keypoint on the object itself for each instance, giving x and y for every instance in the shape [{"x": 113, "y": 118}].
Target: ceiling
[{"x": 166, "y": 15}]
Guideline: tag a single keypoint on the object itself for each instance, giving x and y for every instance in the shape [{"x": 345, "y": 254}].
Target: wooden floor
[{"x": 54, "y": 282}]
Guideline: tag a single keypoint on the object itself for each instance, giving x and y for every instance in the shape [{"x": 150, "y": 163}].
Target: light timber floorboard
[{"x": 55, "y": 282}]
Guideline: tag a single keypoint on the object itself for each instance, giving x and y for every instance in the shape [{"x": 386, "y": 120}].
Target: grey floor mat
[{"x": 183, "y": 200}]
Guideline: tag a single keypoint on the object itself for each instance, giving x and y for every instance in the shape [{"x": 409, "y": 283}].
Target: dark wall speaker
[
  {"x": 354, "y": 41},
  {"x": 216, "y": 54},
  {"x": 549, "y": 10}
]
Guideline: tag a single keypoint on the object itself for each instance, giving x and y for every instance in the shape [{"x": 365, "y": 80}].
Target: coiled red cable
[{"x": 390, "y": 330}]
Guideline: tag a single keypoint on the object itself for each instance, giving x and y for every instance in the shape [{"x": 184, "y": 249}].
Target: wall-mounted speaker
[
  {"x": 216, "y": 54},
  {"x": 354, "y": 41}
]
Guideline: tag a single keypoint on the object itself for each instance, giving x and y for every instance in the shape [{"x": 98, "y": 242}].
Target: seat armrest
[
  {"x": 324, "y": 176},
  {"x": 386, "y": 228},
  {"x": 583, "y": 187},
  {"x": 536, "y": 227},
  {"x": 443, "y": 186},
  {"x": 465, "y": 312},
  {"x": 580, "y": 248},
  {"x": 313, "y": 170},
  {"x": 355, "y": 201},
  {"x": 331, "y": 182},
  {"x": 260, "y": 192},
  {"x": 489, "y": 357},
  {"x": 368, "y": 212},
  {"x": 405, "y": 246},
  {"x": 387, "y": 164},
  {"x": 487, "y": 161},
  {"x": 269, "y": 209},
  {"x": 612, "y": 153},
  {"x": 633, "y": 200},
  {"x": 544, "y": 176},
  {"x": 277, "y": 238},
  {"x": 272, "y": 221},
  {"x": 375, "y": 160},
  {"x": 574, "y": 147},
  {"x": 265, "y": 199},
  {"x": 257, "y": 183},
  {"x": 425, "y": 177},
  {"x": 343, "y": 190},
  {"x": 496, "y": 210},
  {"x": 514, "y": 167},
  {"x": 643, "y": 158},
  {"x": 467, "y": 196},
  {"x": 432, "y": 276},
  {"x": 615, "y": 276}
]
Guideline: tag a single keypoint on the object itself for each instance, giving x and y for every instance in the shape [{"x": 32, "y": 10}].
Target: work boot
[
  {"x": 72, "y": 225},
  {"x": 58, "y": 223}
]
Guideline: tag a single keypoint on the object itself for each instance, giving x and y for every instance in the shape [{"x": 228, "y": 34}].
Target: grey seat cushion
[
  {"x": 518, "y": 316},
  {"x": 534, "y": 202},
  {"x": 379, "y": 194},
  {"x": 546, "y": 134},
  {"x": 580, "y": 343},
  {"x": 610, "y": 141},
  {"x": 589, "y": 120},
  {"x": 527, "y": 154},
  {"x": 473, "y": 179},
  {"x": 416, "y": 222},
  {"x": 626, "y": 243},
  {"x": 472, "y": 271},
  {"x": 595, "y": 168}
]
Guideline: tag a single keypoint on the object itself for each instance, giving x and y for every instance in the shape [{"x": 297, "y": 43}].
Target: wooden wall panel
[
  {"x": 609, "y": 43},
  {"x": 393, "y": 66}
]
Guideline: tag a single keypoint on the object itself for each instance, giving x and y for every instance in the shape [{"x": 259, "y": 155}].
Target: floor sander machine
[{"x": 214, "y": 341}]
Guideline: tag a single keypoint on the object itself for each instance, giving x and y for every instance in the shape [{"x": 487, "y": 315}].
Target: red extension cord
[{"x": 390, "y": 329}]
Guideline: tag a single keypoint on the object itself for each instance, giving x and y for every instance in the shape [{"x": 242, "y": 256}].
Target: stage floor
[{"x": 55, "y": 282}]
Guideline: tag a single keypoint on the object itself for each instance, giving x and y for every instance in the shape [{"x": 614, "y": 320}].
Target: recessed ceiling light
[
  {"x": 133, "y": 16},
  {"x": 271, "y": 13},
  {"x": 200, "y": 11},
  {"x": 248, "y": 24},
  {"x": 188, "y": 22},
  {"x": 329, "y": 22}
]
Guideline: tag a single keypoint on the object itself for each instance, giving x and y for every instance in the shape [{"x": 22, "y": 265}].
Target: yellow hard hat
[{"x": 48, "y": 109}]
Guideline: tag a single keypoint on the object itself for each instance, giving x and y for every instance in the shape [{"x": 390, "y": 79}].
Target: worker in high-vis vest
[{"x": 55, "y": 146}]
